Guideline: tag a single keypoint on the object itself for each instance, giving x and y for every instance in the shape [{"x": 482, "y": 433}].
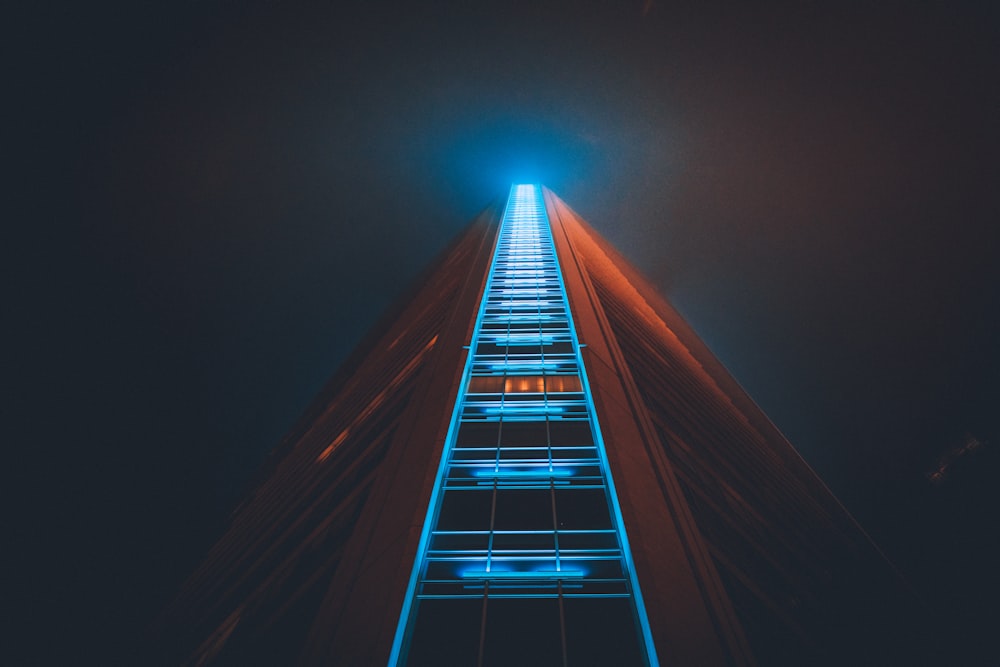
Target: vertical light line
[
  {"x": 404, "y": 626},
  {"x": 639, "y": 605}
]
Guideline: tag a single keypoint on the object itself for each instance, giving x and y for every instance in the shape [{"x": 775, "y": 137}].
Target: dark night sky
[{"x": 214, "y": 200}]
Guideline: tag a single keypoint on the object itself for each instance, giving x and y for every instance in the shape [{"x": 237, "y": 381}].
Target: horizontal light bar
[
  {"x": 529, "y": 366},
  {"x": 506, "y": 474},
  {"x": 507, "y": 574}
]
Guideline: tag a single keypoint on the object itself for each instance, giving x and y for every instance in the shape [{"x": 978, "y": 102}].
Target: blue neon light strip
[
  {"x": 524, "y": 325},
  {"x": 520, "y": 474},
  {"x": 507, "y": 574},
  {"x": 525, "y": 409}
]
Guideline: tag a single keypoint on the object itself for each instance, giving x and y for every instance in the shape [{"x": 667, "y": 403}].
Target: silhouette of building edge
[{"x": 741, "y": 553}]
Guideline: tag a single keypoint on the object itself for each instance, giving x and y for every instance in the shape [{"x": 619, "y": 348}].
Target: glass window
[
  {"x": 465, "y": 510},
  {"x": 523, "y": 542},
  {"x": 523, "y": 509},
  {"x": 563, "y": 383},
  {"x": 558, "y": 348},
  {"x": 486, "y": 385},
  {"x": 601, "y": 632},
  {"x": 460, "y": 541},
  {"x": 446, "y": 632},
  {"x": 478, "y": 434},
  {"x": 524, "y": 434},
  {"x": 525, "y": 384},
  {"x": 570, "y": 433},
  {"x": 582, "y": 509},
  {"x": 524, "y": 453},
  {"x": 523, "y": 632}
]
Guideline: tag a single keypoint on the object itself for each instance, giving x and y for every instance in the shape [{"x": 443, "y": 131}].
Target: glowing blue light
[
  {"x": 525, "y": 409},
  {"x": 535, "y": 365},
  {"x": 509, "y": 574},
  {"x": 500, "y": 474},
  {"x": 521, "y": 318},
  {"x": 524, "y": 279},
  {"x": 522, "y": 339}
]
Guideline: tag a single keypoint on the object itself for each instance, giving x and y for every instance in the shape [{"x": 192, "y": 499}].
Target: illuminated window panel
[{"x": 523, "y": 545}]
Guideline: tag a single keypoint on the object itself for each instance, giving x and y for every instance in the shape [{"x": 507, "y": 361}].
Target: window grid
[{"x": 522, "y": 510}]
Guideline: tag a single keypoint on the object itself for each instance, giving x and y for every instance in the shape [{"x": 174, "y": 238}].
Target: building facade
[{"x": 533, "y": 460}]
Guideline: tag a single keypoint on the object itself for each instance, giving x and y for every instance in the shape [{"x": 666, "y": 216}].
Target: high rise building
[{"x": 534, "y": 461}]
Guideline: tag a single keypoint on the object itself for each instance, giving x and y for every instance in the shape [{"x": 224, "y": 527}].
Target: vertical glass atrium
[{"x": 523, "y": 558}]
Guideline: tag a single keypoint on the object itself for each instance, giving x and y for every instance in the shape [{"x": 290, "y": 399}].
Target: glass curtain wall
[{"x": 523, "y": 558}]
